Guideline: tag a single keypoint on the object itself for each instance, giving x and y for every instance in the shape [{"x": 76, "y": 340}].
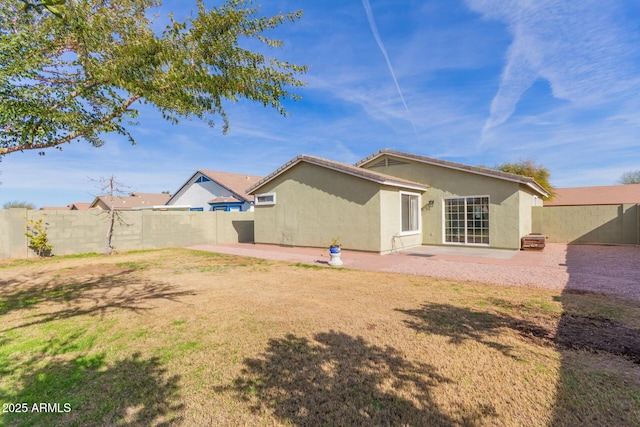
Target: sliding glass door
[{"x": 467, "y": 220}]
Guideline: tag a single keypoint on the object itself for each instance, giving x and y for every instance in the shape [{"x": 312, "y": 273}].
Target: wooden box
[{"x": 533, "y": 242}]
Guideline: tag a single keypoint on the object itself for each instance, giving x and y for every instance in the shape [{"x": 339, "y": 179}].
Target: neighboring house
[
  {"x": 72, "y": 207},
  {"x": 131, "y": 202},
  {"x": 393, "y": 200},
  {"x": 208, "y": 190},
  {"x": 602, "y": 195},
  {"x": 54, "y": 208},
  {"x": 79, "y": 206}
]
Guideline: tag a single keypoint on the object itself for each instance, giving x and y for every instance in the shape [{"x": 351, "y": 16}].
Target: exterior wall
[
  {"x": 391, "y": 224},
  {"x": 73, "y": 232},
  {"x": 527, "y": 202},
  {"x": 504, "y": 200},
  {"x": 315, "y": 205},
  {"x": 601, "y": 224},
  {"x": 197, "y": 194}
]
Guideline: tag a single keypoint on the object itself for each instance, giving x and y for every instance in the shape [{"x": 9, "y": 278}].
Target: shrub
[{"x": 38, "y": 240}]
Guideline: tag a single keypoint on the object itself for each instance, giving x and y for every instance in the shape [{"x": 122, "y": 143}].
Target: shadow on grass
[
  {"x": 599, "y": 378},
  {"x": 87, "y": 391},
  {"x": 337, "y": 379},
  {"x": 58, "y": 372},
  {"x": 45, "y": 298},
  {"x": 460, "y": 324}
]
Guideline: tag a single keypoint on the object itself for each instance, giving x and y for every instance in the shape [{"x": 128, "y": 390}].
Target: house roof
[
  {"x": 79, "y": 206},
  {"x": 369, "y": 175},
  {"x": 225, "y": 199},
  {"x": 530, "y": 182},
  {"x": 135, "y": 200},
  {"x": 601, "y": 195},
  {"x": 236, "y": 183},
  {"x": 54, "y": 208}
]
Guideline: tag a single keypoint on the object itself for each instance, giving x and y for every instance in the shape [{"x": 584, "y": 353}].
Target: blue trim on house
[
  {"x": 183, "y": 185},
  {"x": 205, "y": 178},
  {"x": 227, "y": 206}
]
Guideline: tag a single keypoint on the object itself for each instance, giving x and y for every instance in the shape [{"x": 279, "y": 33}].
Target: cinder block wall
[
  {"x": 603, "y": 224},
  {"x": 73, "y": 232}
]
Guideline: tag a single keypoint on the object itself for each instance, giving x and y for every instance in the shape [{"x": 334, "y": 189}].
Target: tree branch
[{"x": 115, "y": 114}]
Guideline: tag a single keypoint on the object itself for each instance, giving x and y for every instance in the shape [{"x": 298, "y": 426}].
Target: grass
[{"x": 177, "y": 337}]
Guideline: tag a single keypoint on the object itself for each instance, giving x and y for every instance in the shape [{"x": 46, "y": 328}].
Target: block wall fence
[
  {"x": 598, "y": 224},
  {"x": 75, "y": 232}
]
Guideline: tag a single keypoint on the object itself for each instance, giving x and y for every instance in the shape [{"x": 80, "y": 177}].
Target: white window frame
[
  {"x": 257, "y": 201},
  {"x": 466, "y": 235},
  {"x": 418, "y": 214}
]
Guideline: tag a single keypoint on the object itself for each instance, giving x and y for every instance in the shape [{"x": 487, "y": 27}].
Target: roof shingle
[
  {"x": 341, "y": 167},
  {"x": 135, "y": 200},
  {"x": 459, "y": 166},
  {"x": 601, "y": 195},
  {"x": 235, "y": 182}
]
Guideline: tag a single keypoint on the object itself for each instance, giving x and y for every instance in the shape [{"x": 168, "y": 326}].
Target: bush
[{"x": 38, "y": 240}]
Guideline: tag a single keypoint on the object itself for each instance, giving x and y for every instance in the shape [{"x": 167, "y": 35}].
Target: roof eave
[
  {"x": 302, "y": 158},
  {"x": 182, "y": 187},
  {"x": 529, "y": 182},
  {"x": 241, "y": 197}
]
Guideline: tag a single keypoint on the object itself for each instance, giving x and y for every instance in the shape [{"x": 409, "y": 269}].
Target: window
[
  {"x": 265, "y": 199},
  {"x": 409, "y": 213},
  {"x": 203, "y": 179},
  {"x": 467, "y": 220}
]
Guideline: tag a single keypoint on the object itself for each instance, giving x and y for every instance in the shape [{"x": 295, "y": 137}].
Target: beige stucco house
[
  {"x": 310, "y": 201},
  {"x": 393, "y": 200}
]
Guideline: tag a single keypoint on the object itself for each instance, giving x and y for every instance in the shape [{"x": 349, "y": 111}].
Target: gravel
[{"x": 611, "y": 270}]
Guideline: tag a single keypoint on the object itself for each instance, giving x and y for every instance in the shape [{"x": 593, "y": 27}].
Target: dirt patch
[
  {"x": 575, "y": 332},
  {"x": 599, "y": 334}
]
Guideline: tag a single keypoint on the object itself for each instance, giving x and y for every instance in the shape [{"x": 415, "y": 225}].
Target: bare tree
[
  {"x": 631, "y": 177},
  {"x": 110, "y": 189}
]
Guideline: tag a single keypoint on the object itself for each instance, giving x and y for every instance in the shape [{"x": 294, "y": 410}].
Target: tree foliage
[
  {"x": 77, "y": 71},
  {"x": 18, "y": 204},
  {"x": 631, "y": 177},
  {"x": 529, "y": 169},
  {"x": 53, "y": 6}
]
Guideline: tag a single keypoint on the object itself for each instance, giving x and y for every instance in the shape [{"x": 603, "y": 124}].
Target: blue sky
[{"x": 479, "y": 82}]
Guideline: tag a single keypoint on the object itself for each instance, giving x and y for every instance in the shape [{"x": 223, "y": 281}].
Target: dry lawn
[{"x": 178, "y": 337}]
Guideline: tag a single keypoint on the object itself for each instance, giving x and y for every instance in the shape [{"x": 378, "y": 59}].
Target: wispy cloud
[
  {"x": 383, "y": 50},
  {"x": 586, "y": 50}
]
